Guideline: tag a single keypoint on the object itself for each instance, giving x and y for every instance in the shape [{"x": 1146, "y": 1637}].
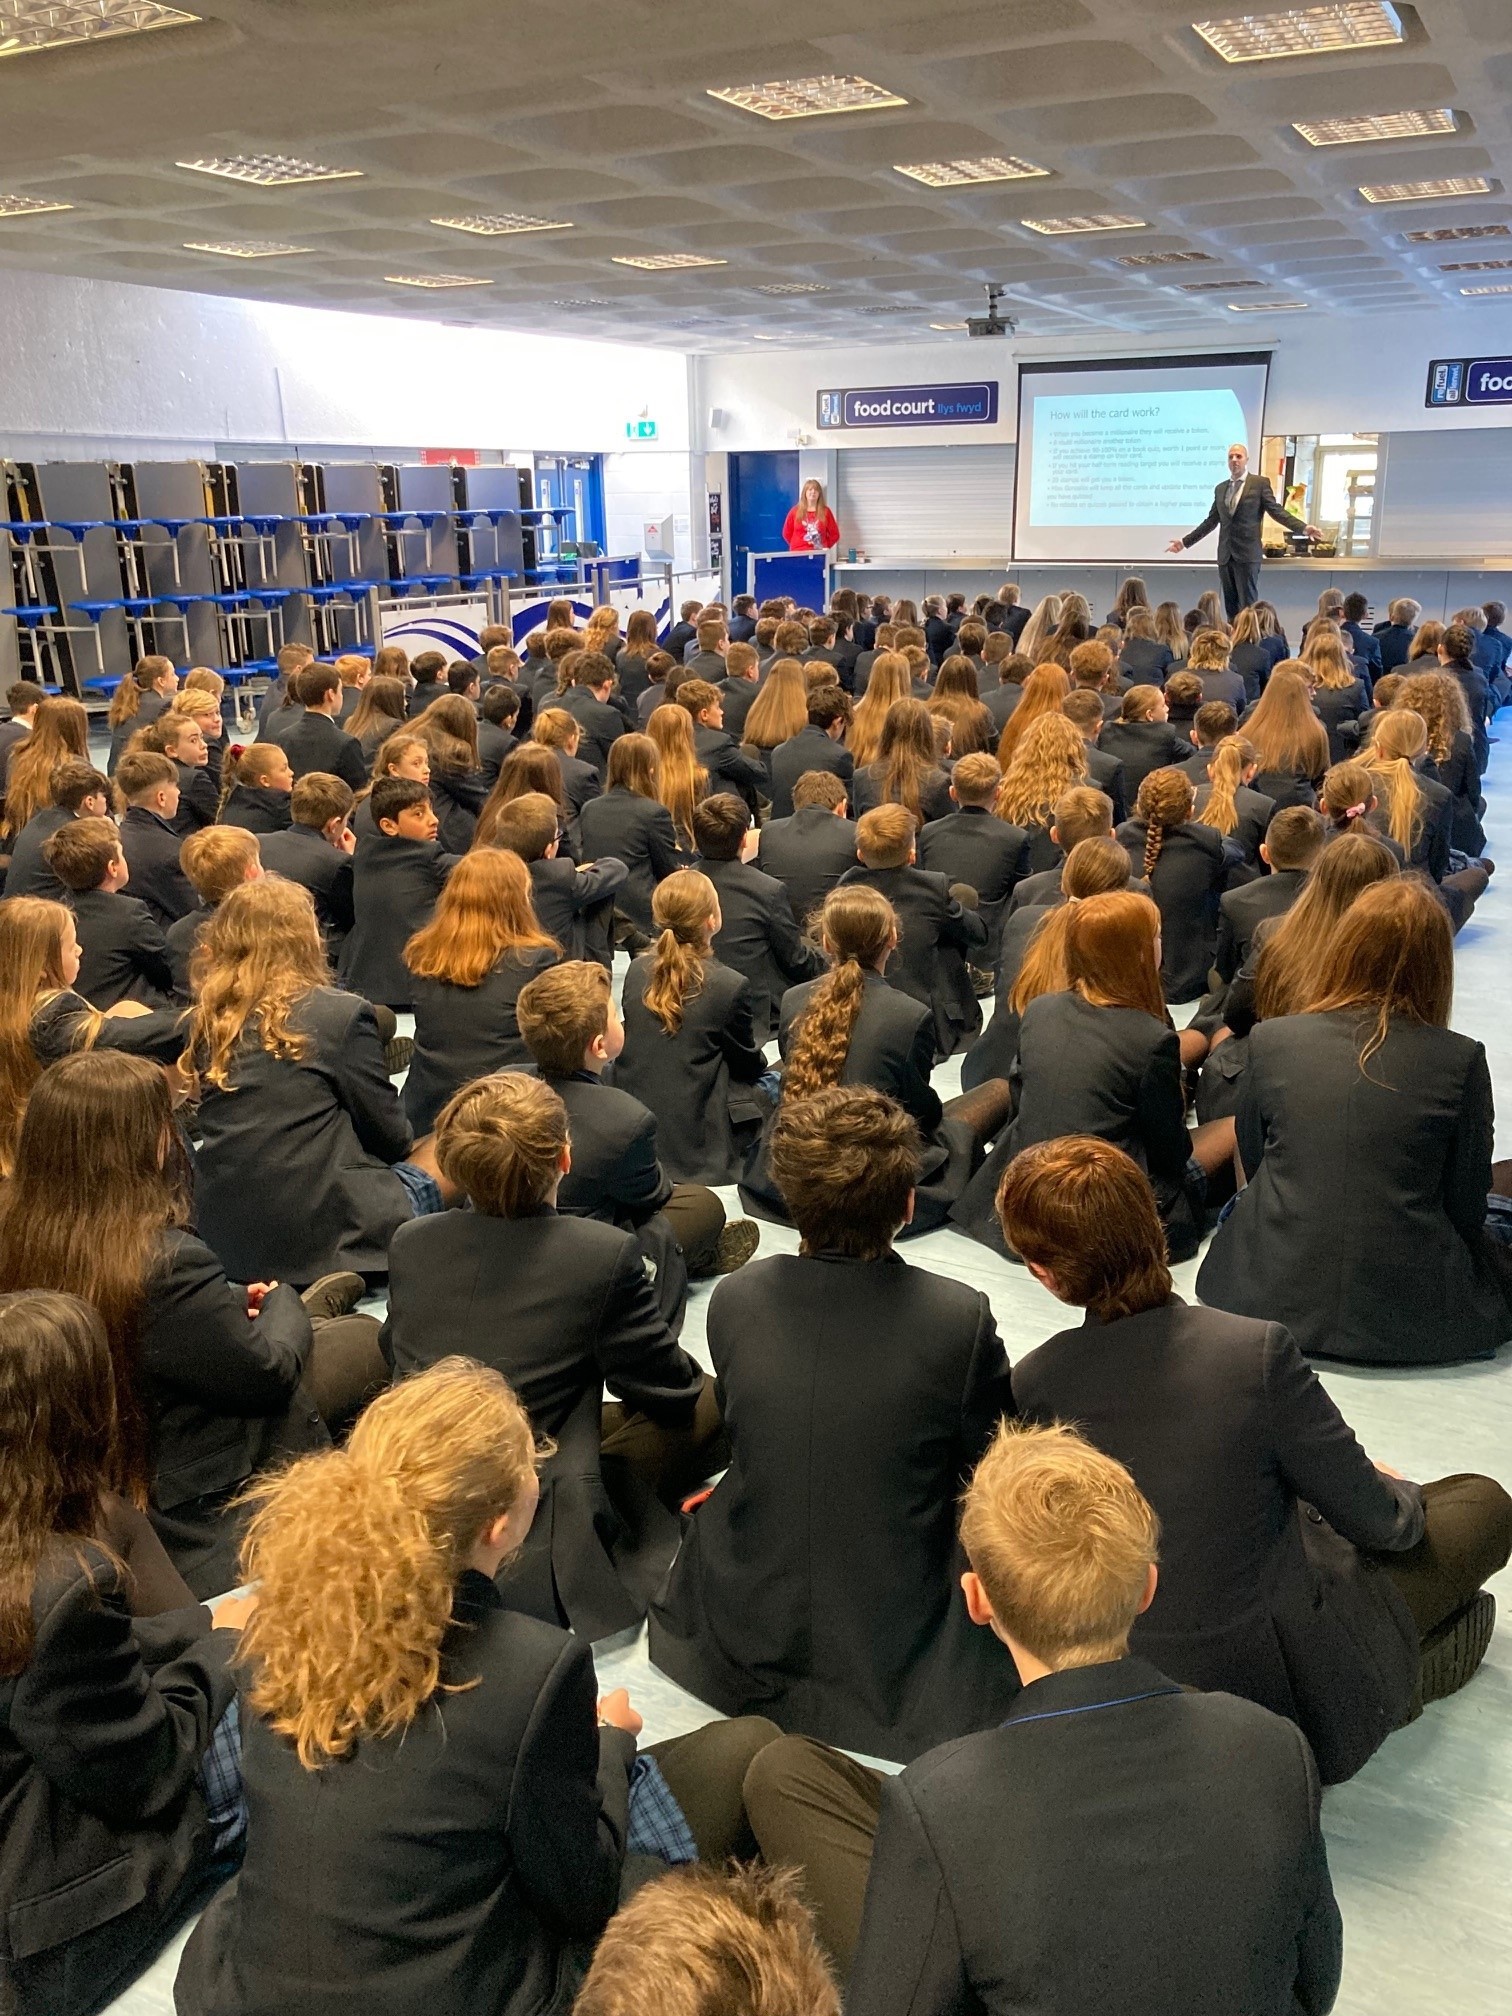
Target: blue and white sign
[
  {"x": 910, "y": 406},
  {"x": 1469, "y": 381}
]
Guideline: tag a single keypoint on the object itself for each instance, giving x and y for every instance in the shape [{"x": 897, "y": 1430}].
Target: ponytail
[
  {"x": 1348, "y": 792},
  {"x": 242, "y": 764},
  {"x": 1230, "y": 760},
  {"x": 1401, "y": 736},
  {"x": 855, "y": 926},
  {"x": 126, "y": 701},
  {"x": 684, "y": 904}
]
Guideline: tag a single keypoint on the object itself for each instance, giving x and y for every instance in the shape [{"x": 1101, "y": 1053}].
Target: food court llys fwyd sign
[{"x": 910, "y": 405}]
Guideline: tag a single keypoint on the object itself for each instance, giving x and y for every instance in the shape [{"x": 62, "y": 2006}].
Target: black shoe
[
  {"x": 397, "y": 1053},
  {"x": 334, "y": 1294},
  {"x": 1453, "y": 1652}
]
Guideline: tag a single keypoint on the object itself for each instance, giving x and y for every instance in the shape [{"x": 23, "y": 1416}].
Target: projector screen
[{"x": 1115, "y": 460}]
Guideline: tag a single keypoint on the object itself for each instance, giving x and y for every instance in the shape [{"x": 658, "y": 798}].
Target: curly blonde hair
[
  {"x": 1440, "y": 700},
  {"x": 1049, "y": 759},
  {"x": 257, "y": 957}
]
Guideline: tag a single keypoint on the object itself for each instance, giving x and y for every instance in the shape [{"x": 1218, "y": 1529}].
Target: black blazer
[
  {"x": 1144, "y": 661},
  {"x": 1105, "y": 773},
  {"x": 1253, "y": 664},
  {"x": 462, "y": 1033},
  {"x": 1143, "y": 746},
  {"x": 601, "y": 726},
  {"x": 729, "y": 767},
  {"x": 936, "y": 935},
  {"x": 630, "y": 671},
  {"x": 151, "y": 848},
  {"x": 303, "y": 855},
  {"x": 1361, "y": 1227},
  {"x": 1239, "y": 530},
  {"x": 257, "y": 808},
  {"x": 280, "y": 723},
  {"x": 180, "y": 940},
  {"x": 1165, "y": 1859},
  {"x": 687, "y": 1079},
  {"x": 868, "y": 784},
  {"x": 575, "y": 906},
  {"x": 807, "y": 852},
  {"x": 494, "y": 745},
  {"x": 809, "y": 749},
  {"x": 1460, "y": 778},
  {"x": 468, "y": 1863},
  {"x": 199, "y": 798},
  {"x": 737, "y": 697},
  {"x": 1255, "y": 812},
  {"x": 639, "y": 832},
  {"x": 294, "y": 1175},
  {"x": 103, "y": 1834},
  {"x": 819, "y": 1583},
  {"x": 1186, "y": 882},
  {"x": 988, "y": 854},
  {"x": 149, "y": 707},
  {"x": 759, "y": 937},
  {"x": 28, "y": 873},
  {"x": 1241, "y": 910},
  {"x": 425, "y": 692},
  {"x": 458, "y": 796},
  {"x": 316, "y": 743},
  {"x": 580, "y": 782},
  {"x": 1000, "y": 701},
  {"x": 1286, "y": 787},
  {"x": 1339, "y": 709},
  {"x": 125, "y": 954},
  {"x": 1232, "y": 1438},
  {"x": 395, "y": 883},
  {"x": 559, "y": 1305}
]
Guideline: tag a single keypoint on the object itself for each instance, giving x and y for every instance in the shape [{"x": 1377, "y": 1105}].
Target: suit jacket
[
  {"x": 729, "y": 768},
  {"x": 1186, "y": 883},
  {"x": 1105, "y": 773},
  {"x": 973, "y": 846},
  {"x": 759, "y": 937},
  {"x": 687, "y": 1079},
  {"x": 818, "y": 1584},
  {"x": 1166, "y": 1859},
  {"x": 125, "y": 955},
  {"x": 576, "y": 906},
  {"x": 1339, "y": 709},
  {"x": 278, "y": 724},
  {"x": 151, "y": 848},
  {"x": 395, "y": 883},
  {"x": 738, "y": 697},
  {"x": 1461, "y": 779},
  {"x": 305, "y": 856},
  {"x": 1143, "y": 746},
  {"x": 316, "y": 743},
  {"x": 1239, "y": 530},
  {"x": 601, "y": 725},
  {"x": 331, "y": 1125},
  {"x": 1144, "y": 661},
  {"x": 1237, "y": 1445},
  {"x": 807, "y": 852},
  {"x": 559, "y": 1305},
  {"x": 1255, "y": 812},
  {"x": 257, "y": 808},
  {"x": 936, "y": 937},
  {"x": 424, "y": 692},
  {"x": 1241, "y": 910},
  {"x": 1361, "y": 1227},
  {"x": 1000, "y": 701},
  {"x": 494, "y": 744},
  {"x": 869, "y": 783},
  {"x": 103, "y": 1831},
  {"x": 180, "y": 940},
  {"x": 639, "y": 832},
  {"x": 809, "y": 749},
  {"x": 199, "y": 798},
  {"x": 580, "y": 781},
  {"x": 1476, "y": 689},
  {"x": 467, "y": 1863},
  {"x": 28, "y": 873},
  {"x": 708, "y": 665},
  {"x": 462, "y": 1033}
]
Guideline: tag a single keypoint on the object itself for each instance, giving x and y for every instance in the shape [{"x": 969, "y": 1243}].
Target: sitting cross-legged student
[
  {"x": 1233, "y": 1434},
  {"x": 972, "y": 846},
  {"x": 758, "y": 934},
  {"x": 938, "y": 934},
  {"x": 818, "y": 746},
  {"x": 124, "y": 954},
  {"x": 729, "y": 768},
  {"x": 574, "y": 900},
  {"x": 459, "y": 790},
  {"x": 817, "y": 1582},
  {"x": 1187, "y": 864},
  {"x": 255, "y": 787},
  {"x": 1417, "y": 812},
  {"x": 555, "y": 729},
  {"x": 590, "y": 700},
  {"x": 1212, "y": 722},
  {"x": 428, "y": 669},
  {"x": 1143, "y": 738},
  {"x": 906, "y": 770},
  {"x": 306, "y": 1163},
  {"x": 120, "y": 1802},
  {"x": 217, "y": 860},
  {"x": 1104, "y": 773},
  {"x": 559, "y": 1304},
  {"x": 629, "y": 823},
  {"x": 77, "y": 791},
  {"x": 1365, "y": 1127},
  {"x": 1081, "y": 813},
  {"x": 316, "y": 852},
  {"x": 182, "y": 741},
  {"x": 315, "y": 742},
  {"x": 477, "y": 1809},
  {"x": 1292, "y": 843},
  {"x": 498, "y": 729},
  {"x": 811, "y": 849},
  {"x": 1226, "y": 801},
  {"x": 278, "y": 700},
  {"x": 468, "y": 965},
  {"x": 149, "y": 784},
  {"x": 398, "y": 871},
  {"x": 691, "y": 1054},
  {"x": 1165, "y": 1856},
  {"x": 573, "y": 1032}
]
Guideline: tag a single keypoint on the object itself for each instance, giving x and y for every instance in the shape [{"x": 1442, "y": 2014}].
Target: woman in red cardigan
[{"x": 810, "y": 526}]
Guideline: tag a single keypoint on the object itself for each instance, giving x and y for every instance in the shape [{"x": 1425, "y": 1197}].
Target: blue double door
[{"x": 762, "y": 489}]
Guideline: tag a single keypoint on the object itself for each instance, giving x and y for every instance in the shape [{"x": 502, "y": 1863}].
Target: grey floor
[{"x": 1421, "y": 1842}]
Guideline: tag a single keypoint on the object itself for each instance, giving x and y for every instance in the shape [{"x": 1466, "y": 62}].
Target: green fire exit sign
[{"x": 640, "y": 430}]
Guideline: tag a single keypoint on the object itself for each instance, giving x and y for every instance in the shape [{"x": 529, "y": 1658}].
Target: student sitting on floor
[
  {"x": 468, "y": 965},
  {"x": 77, "y": 791},
  {"x": 629, "y": 823},
  {"x": 758, "y": 934},
  {"x": 817, "y": 1584},
  {"x": 820, "y": 745},
  {"x": 1080, "y": 813},
  {"x": 1293, "y": 840},
  {"x": 140, "y": 698},
  {"x": 124, "y": 956},
  {"x": 456, "y": 1748},
  {"x": 690, "y": 1052},
  {"x": 1212, "y": 722},
  {"x": 555, "y": 729},
  {"x": 497, "y": 729},
  {"x": 809, "y": 851},
  {"x": 120, "y": 1801},
  {"x": 306, "y": 1163},
  {"x": 398, "y": 871},
  {"x": 182, "y": 740},
  {"x": 216, "y": 860},
  {"x": 1165, "y": 1856},
  {"x": 149, "y": 784},
  {"x": 1227, "y": 801},
  {"x": 1187, "y": 865},
  {"x": 559, "y": 1304},
  {"x": 255, "y": 787},
  {"x": 905, "y": 771},
  {"x": 459, "y": 789},
  {"x": 1104, "y": 773},
  {"x": 316, "y": 852},
  {"x": 574, "y": 901},
  {"x": 729, "y": 768},
  {"x": 971, "y": 846},
  {"x": 1143, "y": 738}
]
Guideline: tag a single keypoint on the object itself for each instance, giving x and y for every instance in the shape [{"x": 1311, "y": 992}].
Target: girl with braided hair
[{"x": 1187, "y": 866}]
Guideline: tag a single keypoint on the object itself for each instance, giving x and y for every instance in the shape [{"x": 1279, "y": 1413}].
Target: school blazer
[
  {"x": 687, "y": 1079},
  {"x": 1236, "y": 1443},
  {"x": 818, "y": 1585},
  {"x": 729, "y": 767},
  {"x": 1186, "y": 883},
  {"x": 294, "y": 1170},
  {"x": 869, "y": 784},
  {"x": 1460, "y": 778},
  {"x": 103, "y": 1833},
  {"x": 1105, "y": 773},
  {"x": 1165, "y": 1859},
  {"x": 601, "y": 726},
  {"x": 1144, "y": 661},
  {"x": 151, "y": 848},
  {"x": 125, "y": 953},
  {"x": 149, "y": 707},
  {"x": 759, "y": 937},
  {"x": 1255, "y": 812},
  {"x": 257, "y": 808},
  {"x": 28, "y": 873},
  {"x": 395, "y": 883},
  {"x": 936, "y": 935},
  {"x": 304, "y": 856},
  {"x": 1339, "y": 709},
  {"x": 988, "y": 854},
  {"x": 639, "y": 832},
  {"x": 559, "y": 1305},
  {"x": 1242, "y": 910},
  {"x": 458, "y": 796},
  {"x": 809, "y": 749},
  {"x": 807, "y": 852},
  {"x": 466, "y": 1864},
  {"x": 316, "y": 743},
  {"x": 1143, "y": 746},
  {"x": 1361, "y": 1226},
  {"x": 199, "y": 798},
  {"x": 575, "y": 906},
  {"x": 462, "y": 1033}
]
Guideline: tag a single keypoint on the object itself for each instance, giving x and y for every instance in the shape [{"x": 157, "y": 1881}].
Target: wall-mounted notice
[
  {"x": 466, "y": 458},
  {"x": 1469, "y": 381},
  {"x": 910, "y": 406}
]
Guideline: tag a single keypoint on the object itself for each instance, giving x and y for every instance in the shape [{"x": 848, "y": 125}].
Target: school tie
[{"x": 1234, "y": 489}]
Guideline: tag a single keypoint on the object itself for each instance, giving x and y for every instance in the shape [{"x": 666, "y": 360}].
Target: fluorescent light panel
[
  {"x": 793, "y": 287},
  {"x": 958, "y": 174},
  {"x": 1167, "y": 259},
  {"x": 1217, "y": 286},
  {"x": 1303, "y": 31},
  {"x": 31, "y": 206},
  {"x": 665, "y": 262},
  {"x": 1448, "y": 234},
  {"x": 1422, "y": 192},
  {"x": 1067, "y": 227},
  {"x": 27, "y": 25},
  {"x": 1267, "y": 307},
  {"x": 1476, "y": 266},
  {"x": 808, "y": 97},
  {"x": 505, "y": 225},
  {"x": 947, "y": 325},
  {"x": 1379, "y": 126},
  {"x": 1503, "y": 287},
  {"x": 244, "y": 248},
  {"x": 268, "y": 171},
  {"x": 433, "y": 281}
]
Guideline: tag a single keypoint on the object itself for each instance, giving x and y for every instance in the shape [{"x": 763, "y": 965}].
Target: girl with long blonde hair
[
  {"x": 1041, "y": 627},
  {"x": 59, "y": 731},
  {"x": 1289, "y": 739},
  {"x": 1399, "y": 740},
  {"x": 681, "y": 779},
  {"x": 1049, "y": 759},
  {"x": 780, "y": 709},
  {"x": 1234, "y": 764},
  {"x": 888, "y": 681},
  {"x": 1290, "y": 956},
  {"x": 1171, "y": 631},
  {"x": 1041, "y": 693},
  {"x": 905, "y": 771}
]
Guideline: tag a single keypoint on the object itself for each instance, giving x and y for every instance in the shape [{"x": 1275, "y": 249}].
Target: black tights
[{"x": 984, "y": 1111}]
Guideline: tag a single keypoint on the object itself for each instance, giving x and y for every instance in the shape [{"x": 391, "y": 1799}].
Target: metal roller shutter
[
  {"x": 1442, "y": 494},
  {"x": 910, "y": 504}
]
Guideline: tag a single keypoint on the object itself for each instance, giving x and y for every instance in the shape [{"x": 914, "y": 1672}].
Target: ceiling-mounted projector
[{"x": 993, "y": 323}]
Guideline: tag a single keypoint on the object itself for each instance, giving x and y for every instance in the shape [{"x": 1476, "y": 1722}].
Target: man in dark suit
[
  {"x": 1293, "y": 841},
  {"x": 1238, "y": 507},
  {"x": 315, "y": 742},
  {"x": 973, "y": 847},
  {"x": 758, "y": 934},
  {"x": 814, "y": 846},
  {"x": 818, "y": 746},
  {"x": 728, "y": 767}
]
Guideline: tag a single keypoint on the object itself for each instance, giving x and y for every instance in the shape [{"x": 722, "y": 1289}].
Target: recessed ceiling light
[
  {"x": 432, "y": 281},
  {"x": 882, "y": 308},
  {"x": 268, "y": 171},
  {"x": 1476, "y": 266},
  {"x": 1421, "y": 192},
  {"x": 30, "y": 206},
  {"x": 761, "y": 336},
  {"x": 1167, "y": 259},
  {"x": 808, "y": 97},
  {"x": 1446, "y": 234},
  {"x": 580, "y": 301},
  {"x": 947, "y": 325},
  {"x": 1303, "y": 31},
  {"x": 953, "y": 174},
  {"x": 1267, "y": 307},
  {"x": 503, "y": 226},
  {"x": 244, "y": 248},
  {"x": 793, "y": 287},
  {"x": 1502, "y": 287},
  {"x": 665, "y": 262},
  {"x": 1217, "y": 286},
  {"x": 43, "y": 24},
  {"x": 1380, "y": 126},
  {"x": 1066, "y": 227}
]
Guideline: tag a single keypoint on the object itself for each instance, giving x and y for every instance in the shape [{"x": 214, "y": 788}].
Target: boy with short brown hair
[{"x": 124, "y": 957}]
